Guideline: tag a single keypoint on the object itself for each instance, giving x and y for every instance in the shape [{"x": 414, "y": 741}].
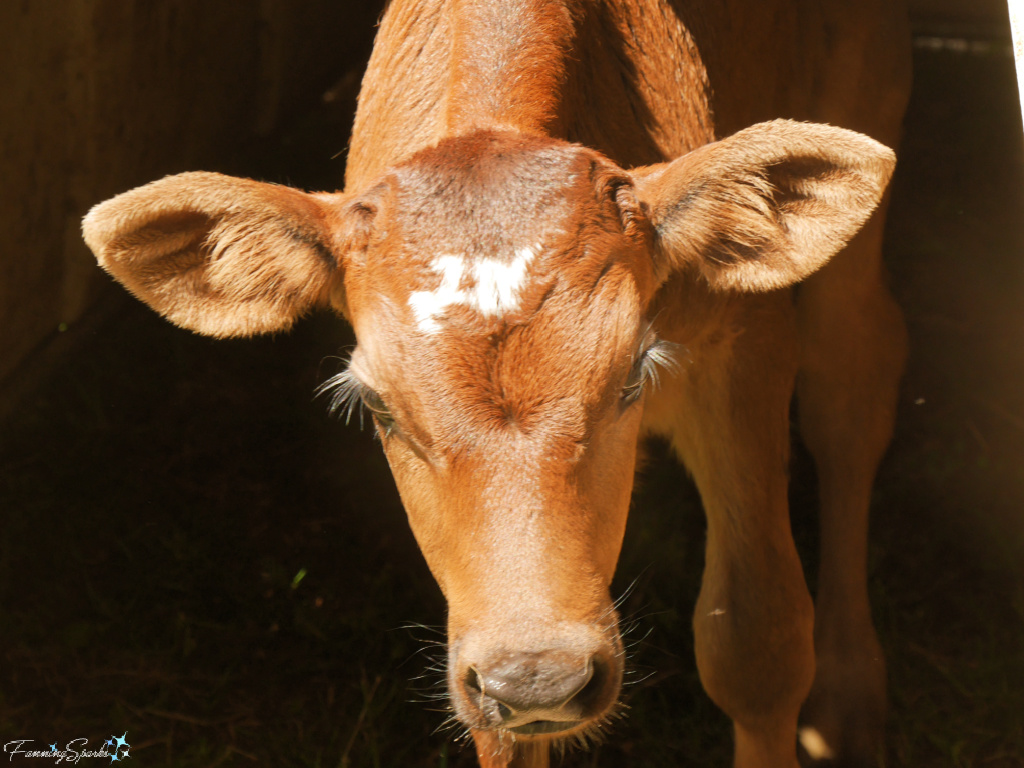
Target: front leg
[
  {"x": 727, "y": 415},
  {"x": 501, "y": 751},
  {"x": 854, "y": 344}
]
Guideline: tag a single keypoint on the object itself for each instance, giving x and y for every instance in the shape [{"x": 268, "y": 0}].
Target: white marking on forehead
[{"x": 494, "y": 290}]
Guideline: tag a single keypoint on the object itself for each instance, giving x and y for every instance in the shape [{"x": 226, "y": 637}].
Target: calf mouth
[{"x": 547, "y": 728}]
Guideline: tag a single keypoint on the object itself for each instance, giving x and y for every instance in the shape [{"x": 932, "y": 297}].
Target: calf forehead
[
  {"x": 486, "y": 226},
  {"x": 551, "y": 373},
  {"x": 491, "y": 194}
]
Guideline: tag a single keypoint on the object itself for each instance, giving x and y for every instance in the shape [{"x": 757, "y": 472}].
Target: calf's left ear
[
  {"x": 220, "y": 255},
  {"x": 765, "y": 207}
]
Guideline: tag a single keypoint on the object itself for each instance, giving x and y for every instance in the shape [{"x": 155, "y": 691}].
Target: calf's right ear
[{"x": 219, "y": 255}]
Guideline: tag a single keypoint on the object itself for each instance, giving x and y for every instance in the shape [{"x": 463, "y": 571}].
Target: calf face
[
  {"x": 499, "y": 285},
  {"x": 503, "y": 348}
]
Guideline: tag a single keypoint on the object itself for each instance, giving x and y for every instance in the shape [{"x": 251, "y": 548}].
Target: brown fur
[{"x": 536, "y": 191}]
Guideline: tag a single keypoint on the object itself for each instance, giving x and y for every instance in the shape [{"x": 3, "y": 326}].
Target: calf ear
[
  {"x": 216, "y": 254},
  {"x": 767, "y": 206}
]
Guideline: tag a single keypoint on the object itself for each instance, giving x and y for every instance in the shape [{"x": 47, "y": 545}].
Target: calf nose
[{"x": 538, "y": 692}]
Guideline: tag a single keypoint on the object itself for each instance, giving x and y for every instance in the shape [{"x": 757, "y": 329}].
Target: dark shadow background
[{"x": 195, "y": 554}]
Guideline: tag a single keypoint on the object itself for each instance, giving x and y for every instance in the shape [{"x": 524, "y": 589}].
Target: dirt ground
[{"x": 197, "y": 556}]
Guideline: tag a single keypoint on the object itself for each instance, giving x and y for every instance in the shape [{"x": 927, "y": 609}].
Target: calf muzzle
[{"x": 538, "y": 693}]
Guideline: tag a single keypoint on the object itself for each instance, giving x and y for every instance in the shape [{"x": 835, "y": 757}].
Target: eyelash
[
  {"x": 657, "y": 357},
  {"x": 347, "y": 394}
]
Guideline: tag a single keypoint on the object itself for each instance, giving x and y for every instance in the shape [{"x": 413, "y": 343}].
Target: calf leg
[
  {"x": 853, "y": 348},
  {"x": 727, "y": 414}
]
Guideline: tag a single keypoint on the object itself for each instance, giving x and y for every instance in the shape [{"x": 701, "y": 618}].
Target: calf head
[{"x": 499, "y": 286}]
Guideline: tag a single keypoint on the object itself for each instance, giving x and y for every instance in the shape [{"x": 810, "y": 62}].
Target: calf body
[{"x": 547, "y": 212}]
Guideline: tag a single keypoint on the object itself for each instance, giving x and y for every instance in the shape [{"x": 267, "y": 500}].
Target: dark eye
[
  {"x": 376, "y": 406},
  {"x": 657, "y": 357},
  {"x": 634, "y": 385}
]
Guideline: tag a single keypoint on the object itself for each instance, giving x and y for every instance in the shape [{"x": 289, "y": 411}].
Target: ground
[{"x": 196, "y": 556}]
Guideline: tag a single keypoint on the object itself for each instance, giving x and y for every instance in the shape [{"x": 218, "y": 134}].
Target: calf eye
[
  {"x": 376, "y": 406},
  {"x": 634, "y": 385}
]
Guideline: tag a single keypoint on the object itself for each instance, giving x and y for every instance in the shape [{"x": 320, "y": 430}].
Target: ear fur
[
  {"x": 767, "y": 206},
  {"x": 218, "y": 255}
]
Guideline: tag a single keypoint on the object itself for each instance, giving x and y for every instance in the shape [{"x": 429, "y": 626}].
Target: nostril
[
  {"x": 594, "y": 689},
  {"x": 476, "y": 687},
  {"x": 473, "y": 681},
  {"x": 583, "y": 682}
]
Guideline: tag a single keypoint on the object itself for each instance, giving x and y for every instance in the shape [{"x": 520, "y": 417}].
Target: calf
[{"x": 552, "y": 241}]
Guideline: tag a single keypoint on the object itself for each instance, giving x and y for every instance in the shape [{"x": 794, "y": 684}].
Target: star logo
[{"x": 119, "y": 743}]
